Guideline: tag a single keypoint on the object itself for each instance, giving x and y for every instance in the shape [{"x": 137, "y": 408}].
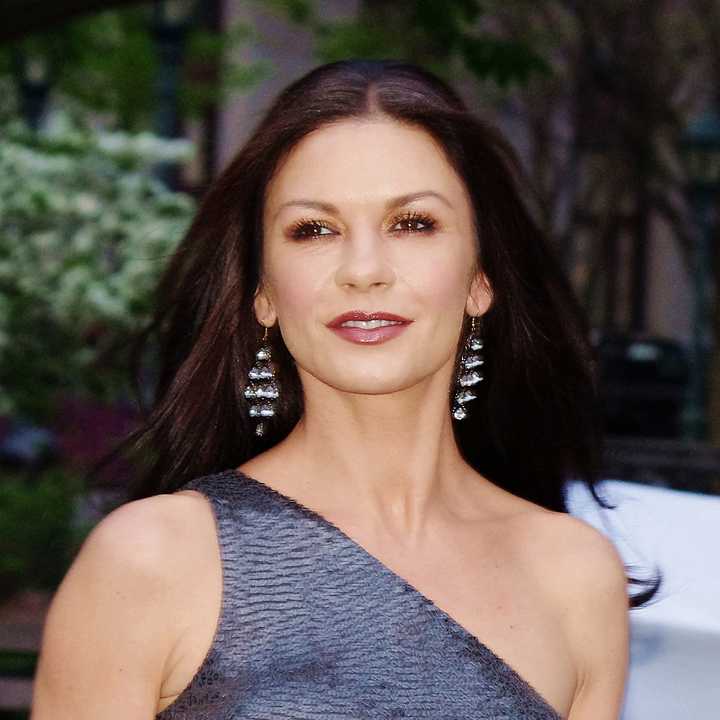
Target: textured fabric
[{"x": 313, "y": 627}]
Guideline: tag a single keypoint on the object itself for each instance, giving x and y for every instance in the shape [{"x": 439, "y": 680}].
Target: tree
[
  {"x": 85, "y": 230},
  {"x": 446, "y": 37}
]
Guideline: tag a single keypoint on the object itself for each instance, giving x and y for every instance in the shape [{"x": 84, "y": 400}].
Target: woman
[{"x": 375, "y": 381}]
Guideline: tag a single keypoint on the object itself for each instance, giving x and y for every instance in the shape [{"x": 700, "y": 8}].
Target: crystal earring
[
  {"x": 468, "y": 376},
  {"x": 262, "y": 389}
]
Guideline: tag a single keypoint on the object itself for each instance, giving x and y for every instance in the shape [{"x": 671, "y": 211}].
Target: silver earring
[
  {"x": 470, "y": 373},
  {"x": 262, "y": 386}
]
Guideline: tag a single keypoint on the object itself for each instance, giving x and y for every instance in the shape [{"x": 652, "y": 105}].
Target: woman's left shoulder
[
  {"x": 574, "y": 546},
  {"x": 570, "y": 552},
  {"x": 583, "y": 576},
  {"x": 567, "y": 552}
]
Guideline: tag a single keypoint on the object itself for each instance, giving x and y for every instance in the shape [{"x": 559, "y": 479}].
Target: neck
[{"x": 391, "y": 458}]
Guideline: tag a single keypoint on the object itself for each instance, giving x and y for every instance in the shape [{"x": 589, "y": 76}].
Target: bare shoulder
[
  {"x": 584, "y": 574},
  {"x": 577, "y": 544},
  {"x": 579, "y": 562},
  {"x": 150, "y": 537},
  {"x": 110, "y": 630},
  {"x": 154, "y": 518}
]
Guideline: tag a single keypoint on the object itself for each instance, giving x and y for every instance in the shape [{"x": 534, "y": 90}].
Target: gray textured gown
[{"x": 313, "y": 627}]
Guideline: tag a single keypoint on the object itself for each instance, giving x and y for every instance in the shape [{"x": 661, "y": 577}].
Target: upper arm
[
  {"x": 598, "y": 625},
  {"x": 108, "y": 631}
]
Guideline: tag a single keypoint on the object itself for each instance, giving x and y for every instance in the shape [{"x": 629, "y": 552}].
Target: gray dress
[{"x": 313, "y": 627}]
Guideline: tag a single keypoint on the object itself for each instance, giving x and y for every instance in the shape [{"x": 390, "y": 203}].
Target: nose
[{"x": 364, "y": 262}]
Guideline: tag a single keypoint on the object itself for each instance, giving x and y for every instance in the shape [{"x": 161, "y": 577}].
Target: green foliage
[
  {"x": 505, "y": 61},
  {"x": 436, "y": 35},
  {"x": 108, "y": 62},
  {"x": 297, "y": 11},
  {"x": 39, "y": 534},
  {"x": 85, "y": 230},
  {"x": 104, "y": 61},
  {"x": 212, "y": 75}
]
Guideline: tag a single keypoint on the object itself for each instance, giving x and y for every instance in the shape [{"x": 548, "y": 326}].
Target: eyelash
[{"x": 408, "y": 217}]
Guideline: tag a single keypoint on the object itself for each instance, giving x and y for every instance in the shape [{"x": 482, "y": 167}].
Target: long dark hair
[{"x": 537, "y": 420}]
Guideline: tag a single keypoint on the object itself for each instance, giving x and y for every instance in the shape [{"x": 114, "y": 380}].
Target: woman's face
[{"x": 338, "y": 238}]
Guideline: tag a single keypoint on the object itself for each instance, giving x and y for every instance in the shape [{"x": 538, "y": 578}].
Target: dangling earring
[
  {"x": 471, "y": 358},
  {"x": 262, "y": 385}
]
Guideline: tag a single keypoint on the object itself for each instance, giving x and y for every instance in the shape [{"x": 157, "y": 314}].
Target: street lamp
[
  {"x": 171, "y": 21},
  {"x": 700, "y": 148},
  {"x": 32, "y": 75}
]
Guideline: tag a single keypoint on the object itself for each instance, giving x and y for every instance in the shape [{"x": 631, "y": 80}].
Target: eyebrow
[{"x": 391, "y": 203}]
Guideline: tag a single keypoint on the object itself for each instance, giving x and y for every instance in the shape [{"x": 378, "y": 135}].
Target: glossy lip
[
  {"x": 370, "y": 337},
  {"x": 362, "y": 315}
]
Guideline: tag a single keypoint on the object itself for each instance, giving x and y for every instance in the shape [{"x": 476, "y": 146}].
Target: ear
[
  {"x": 480, "y": 295},
  {"x": 264, "y": 311}
]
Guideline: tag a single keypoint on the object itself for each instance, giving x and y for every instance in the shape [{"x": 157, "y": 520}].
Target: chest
[
  {"x": 499, "y": 591},
  {"x": 479, "y": 582}
]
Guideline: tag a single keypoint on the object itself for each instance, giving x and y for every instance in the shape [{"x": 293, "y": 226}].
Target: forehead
[{"x": 357, "y": 161}]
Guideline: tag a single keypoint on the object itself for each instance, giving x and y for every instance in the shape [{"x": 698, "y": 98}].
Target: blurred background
[{"x": 116, "y": 115}]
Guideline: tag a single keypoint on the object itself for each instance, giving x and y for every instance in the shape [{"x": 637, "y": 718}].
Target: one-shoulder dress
[{"x": 314, "y": 627}]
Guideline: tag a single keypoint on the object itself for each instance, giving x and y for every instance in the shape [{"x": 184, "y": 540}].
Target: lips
[{"x": 362, "y": 315}]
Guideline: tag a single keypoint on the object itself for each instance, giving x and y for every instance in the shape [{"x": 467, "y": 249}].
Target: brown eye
[
  {"x": 304, "y": 229},
  {"x": 412, "y": 220}
]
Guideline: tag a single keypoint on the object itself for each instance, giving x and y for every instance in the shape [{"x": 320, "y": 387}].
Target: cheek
[
  {"x": 295, "y": 292},
  {"x": 439, "y": 282},
  {"x": 443, "y": 287}
]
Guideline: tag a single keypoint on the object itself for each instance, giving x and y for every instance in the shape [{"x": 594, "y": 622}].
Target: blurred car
[{"x": 644, "y": 382}]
